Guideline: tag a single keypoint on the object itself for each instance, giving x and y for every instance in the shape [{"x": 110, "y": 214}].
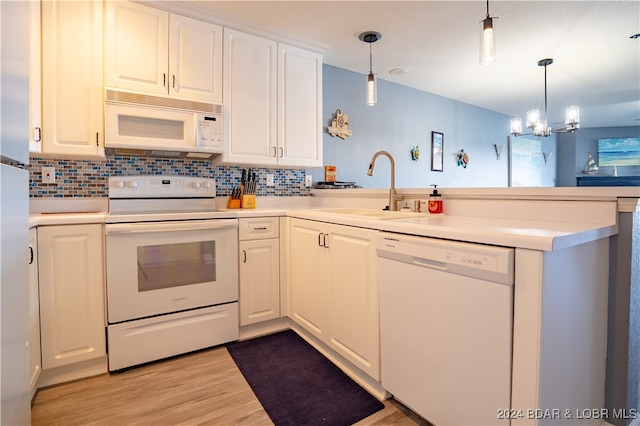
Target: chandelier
[{"x": 537, "y": 123}]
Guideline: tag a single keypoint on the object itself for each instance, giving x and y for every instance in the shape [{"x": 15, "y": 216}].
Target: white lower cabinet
[
  {"x": 72, "y": 316},
  {"x": 334, "y": 289},
  {"x": 35, "y": 361},
  {"x": 259, "y": 250}
]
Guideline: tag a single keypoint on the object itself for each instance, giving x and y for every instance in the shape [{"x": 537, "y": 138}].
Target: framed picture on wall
[{"x": 437, "y": 151}]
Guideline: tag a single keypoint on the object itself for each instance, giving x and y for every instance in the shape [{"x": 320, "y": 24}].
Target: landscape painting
[{"x": 619, "y": 152}]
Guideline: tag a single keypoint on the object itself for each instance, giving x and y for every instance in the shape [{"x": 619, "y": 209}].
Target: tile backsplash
[{"x": 87, "y": 178}]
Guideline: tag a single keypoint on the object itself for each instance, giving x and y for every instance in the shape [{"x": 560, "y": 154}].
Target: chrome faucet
[{"x": 393, "y": 194}]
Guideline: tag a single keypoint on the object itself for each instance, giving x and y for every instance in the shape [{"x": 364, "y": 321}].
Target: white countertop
[
  {"x": 546, "y": 229},
  {"x": 541, "y": 235},
  {"x": 65, "y": 218}
]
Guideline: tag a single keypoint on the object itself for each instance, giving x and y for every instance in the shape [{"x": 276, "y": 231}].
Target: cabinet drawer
[{"x": 258, "y": 228}]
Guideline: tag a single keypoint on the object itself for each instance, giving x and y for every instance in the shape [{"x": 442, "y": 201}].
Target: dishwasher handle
[
  {"x": 413, "y": 260},
  {"x": 429, "y": 263}
]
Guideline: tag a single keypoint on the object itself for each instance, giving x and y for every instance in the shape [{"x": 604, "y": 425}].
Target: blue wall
[{"x": 403, "y": 118}]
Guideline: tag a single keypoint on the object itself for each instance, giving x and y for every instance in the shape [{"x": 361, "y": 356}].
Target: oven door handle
[{"x": 149, "y": 227}]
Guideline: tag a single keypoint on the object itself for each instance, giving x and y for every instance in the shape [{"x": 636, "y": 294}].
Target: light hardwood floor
[{"x": 203, "y": 388}]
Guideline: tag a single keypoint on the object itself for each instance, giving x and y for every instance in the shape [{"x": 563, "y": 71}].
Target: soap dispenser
[{"x": 435, "y": 201}]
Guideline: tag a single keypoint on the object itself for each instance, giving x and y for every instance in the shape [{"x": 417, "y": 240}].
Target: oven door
[{"x": 161, "y": 267}]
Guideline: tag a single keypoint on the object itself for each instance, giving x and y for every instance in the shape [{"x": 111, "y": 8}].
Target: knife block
[
  {"x": 249, "y": 201},
  {"x": 233, "y": 203}
]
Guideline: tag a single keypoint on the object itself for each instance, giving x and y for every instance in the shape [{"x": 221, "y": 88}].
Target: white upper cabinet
[
  {"x": 35, "y": 78},
  {"x": 152, "y": 51},
  {"x": 72, "y": 83},
  {"x": 273, "y": 100},
  {"x": 195, "y": 59},
  {"x": 250, "y": 98},
  {"x": 136, "y": 47},
  {"x": 299, "y": 107}
]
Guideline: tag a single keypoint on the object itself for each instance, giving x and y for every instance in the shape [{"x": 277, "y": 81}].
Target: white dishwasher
[{"x": 446, "y": 324}]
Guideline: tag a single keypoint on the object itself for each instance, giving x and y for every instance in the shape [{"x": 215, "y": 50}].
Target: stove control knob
[
  {"x": 120, "y": 184},
  {"x": 197, "y": 185},
  {"x": 207, "y": 185},
  {"x": 132, "y": 184}
]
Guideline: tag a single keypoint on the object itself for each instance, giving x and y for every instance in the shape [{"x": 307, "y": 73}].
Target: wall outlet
[
  {"x": 270, "y": 180},
  {"x": 48, "y": 174},
  {"x": 308, "y": 181}
]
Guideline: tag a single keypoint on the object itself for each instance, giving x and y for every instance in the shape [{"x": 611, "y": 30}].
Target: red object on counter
[{"x": 434, "y": 205}]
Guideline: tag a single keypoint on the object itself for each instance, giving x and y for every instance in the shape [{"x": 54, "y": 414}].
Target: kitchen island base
[{"x": 560, "y": 334}]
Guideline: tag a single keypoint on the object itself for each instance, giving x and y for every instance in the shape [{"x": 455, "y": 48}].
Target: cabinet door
[
  {"x": 308, "y": 264},
  {"x": 71, "y": 294},
  {"x": 299, "y": 107},
  {"x": 352, "y": 297},
  {"x": 250, "y": 99},
  {"x": 259, "y": 280},
  {"x": 72, "y": 90},
  {"x": 34, "y": 312},
  {"x": 195, "y": 59},
  {"x": 35, "y": 79},
  {"x": 136, "y": 48}
]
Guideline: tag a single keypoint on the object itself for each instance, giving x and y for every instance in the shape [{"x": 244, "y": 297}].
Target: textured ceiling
[{"x": 596, "y": 63}]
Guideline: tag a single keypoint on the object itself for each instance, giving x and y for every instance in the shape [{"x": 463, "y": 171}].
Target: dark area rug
[{"x": 297, "y": 385}]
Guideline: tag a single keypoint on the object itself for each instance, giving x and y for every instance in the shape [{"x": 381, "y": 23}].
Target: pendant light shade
[
  {"x": 487, "y": 43},
  {"x": 572, "y": 118},
  {"x": 487, "y": 40},
  {"x": 372, "y": 90},
  {"x": 533, "y": 117},
  {"x": 516, "y": 126},
  {"x": 372, "y": 86}
]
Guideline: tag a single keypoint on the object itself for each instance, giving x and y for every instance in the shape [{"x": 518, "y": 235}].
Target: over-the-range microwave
[{"x": 156, "y": 126}]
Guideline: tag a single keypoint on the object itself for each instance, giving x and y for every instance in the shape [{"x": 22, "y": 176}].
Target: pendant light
[
  {"x": 372, "y": 90},
  {"x": 538, "y": 123},
  {"x": 487, "y": 40}
]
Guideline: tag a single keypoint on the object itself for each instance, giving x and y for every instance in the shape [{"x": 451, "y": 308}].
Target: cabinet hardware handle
[
  {"x": 37, "y": 134},
  {"x": 262, "y": 228},
  {"x": 274, "y": 151},
  {"x": 320, "y": 239},
  {"x": 324, "y": 241},
  {"x": 244, "y": 256},
  {"x": 281, "y": 152},
  {"x": 164, "y": 80},
  {"x": 30, "y": 255},
  {"x": 97, "y": 139},
  {"x": 174, "y": 81}
]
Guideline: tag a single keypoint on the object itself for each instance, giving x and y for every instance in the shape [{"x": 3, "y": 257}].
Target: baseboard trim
[{"x": 67, "y": 373}]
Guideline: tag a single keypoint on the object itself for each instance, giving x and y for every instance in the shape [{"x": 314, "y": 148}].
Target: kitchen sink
[{"x": 369, "y": 213}]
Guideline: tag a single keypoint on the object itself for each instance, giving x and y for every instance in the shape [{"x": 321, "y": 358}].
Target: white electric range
[{"x": 171, "y": 269}]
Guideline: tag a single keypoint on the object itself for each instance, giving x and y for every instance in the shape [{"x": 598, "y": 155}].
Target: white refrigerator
[{"x": 14, "y": 213}]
